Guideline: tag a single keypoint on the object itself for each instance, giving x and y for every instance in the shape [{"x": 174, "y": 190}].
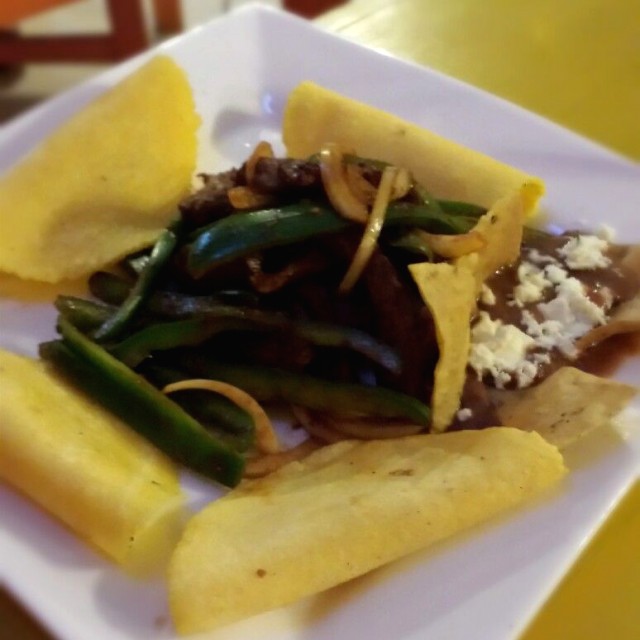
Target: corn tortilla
[
  {"x": 103, "y": 184},
  {"x": 85, "y": 467},
  {"x": 449, "y": 292},
  {"x": 314, "y": 115},
  {"x": 334, "y": 516},
  {"x": 566, "y": 406}
]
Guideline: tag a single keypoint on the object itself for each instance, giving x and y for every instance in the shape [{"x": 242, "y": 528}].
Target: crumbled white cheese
[
  {"x": 487, "y": 296},
  {"x": 464, "y": 414},
  {"x": 555, "y": 273},
  {"x": 585, "y": 252},
  {"x": 605, "y": 232},
  {"x": 563, "y": 314},
  {"x": 532, "y": 284},
  {"x": 565, "y": 318},
  {"x": 500, "y": 350},
  {"x": 533, "y": 255}
]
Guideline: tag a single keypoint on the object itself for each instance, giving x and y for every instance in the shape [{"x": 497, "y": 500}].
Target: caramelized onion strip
[
  {"x": 336, "y": 185},
  {"x": 264, "y": 465},
  {"x": 372, "y": 231},
  {"x": 263, "y": 150},
  {"x": 369, "y": 430},
  {"x": 266, "y": 437}
]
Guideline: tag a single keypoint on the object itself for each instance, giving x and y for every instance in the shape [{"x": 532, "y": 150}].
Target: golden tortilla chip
[
  {"x": 105, "y": 183},
  {"x": 502, "y": 228},
  {"x": 314, "y": 115},
  {"x": 565, "y": 406},
  {"x": 343, "y": 511},
  {"x": 449, "y": 291},
  {"x": 86, "y": 468}
]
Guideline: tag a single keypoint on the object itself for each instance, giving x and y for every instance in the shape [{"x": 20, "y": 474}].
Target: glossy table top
[{"x": 576, "y": 62}]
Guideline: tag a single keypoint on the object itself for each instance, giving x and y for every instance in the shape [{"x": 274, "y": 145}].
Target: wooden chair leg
[
  {"x": 126, "y": 38},
  {"x": 168, "y": 16}
]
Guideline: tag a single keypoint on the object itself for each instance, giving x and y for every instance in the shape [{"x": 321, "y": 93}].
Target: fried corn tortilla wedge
[
  {"x": 115, "y": 173},
  {"x": 314, "y": 115},
  {"x": 501, "y": 227},
  {"x": 449, "y": 291},
  {"x": 566, "y": 406},
  {"x": 81, "y": 464},
  {"x": 335, "y": 515}
]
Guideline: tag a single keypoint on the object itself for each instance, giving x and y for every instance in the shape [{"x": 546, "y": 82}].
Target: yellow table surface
[{"x": 576, "y": 62}]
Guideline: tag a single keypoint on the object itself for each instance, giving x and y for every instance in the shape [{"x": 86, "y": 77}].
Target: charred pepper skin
[
  {"x": 141, "y": 290},
  {"x": 139, "y": 404},
  {"x": 243, "y": 234},
  {"x": 270, "y": 384}
]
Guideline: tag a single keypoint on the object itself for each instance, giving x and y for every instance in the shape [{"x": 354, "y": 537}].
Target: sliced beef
[{"x": 211, "y": 201}]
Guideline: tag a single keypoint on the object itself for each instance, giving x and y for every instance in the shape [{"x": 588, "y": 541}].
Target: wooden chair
[{"x": 126, "y": 37}]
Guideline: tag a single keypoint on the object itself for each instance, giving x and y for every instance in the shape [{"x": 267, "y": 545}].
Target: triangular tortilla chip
[
  {"x": 566, "y": 406},
  {"x": 450, "y": 293},
  {"x": 343, "y": 511}
]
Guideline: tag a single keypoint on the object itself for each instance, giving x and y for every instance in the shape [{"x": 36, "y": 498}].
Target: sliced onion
[
  {"x": 263, "y": 150},
  {"x": 264, "y": 465},
  {"x": 370, "y": 430},
  {"x": 361, "y": 188},
  {"x": 247, "y": 198},
  {"x": 371, "y": 232},
  {"x": 401, "y": 184},
  {"x": 266, "y": 438},
  {"x": 336, "y": 186},
  {"x": 315, "y": 427},
  {"x": 453, "y": 246}
]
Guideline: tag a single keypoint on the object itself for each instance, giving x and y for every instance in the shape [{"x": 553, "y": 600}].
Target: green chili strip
[
  {"x": 160, "y": 254},
  {"x": 114, "y": 289},
  {"x": 196, "y": 330},
  {"x": 455, "y": 207},
  {"x": 270, "y": 384},
  {"x": 140, "y": 405},
  {"x": 83, "y": 314},
  {"x": 245, "y": 233},
  {"x": 227, "y": 420}
]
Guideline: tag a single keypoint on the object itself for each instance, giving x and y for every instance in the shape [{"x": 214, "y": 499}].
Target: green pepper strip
[
  {"x": 194, "y": 331},
  {"x": 142, "y": 406},
  {"x": 455, "y": 207},
  {"x": 160, "y": 254},
  {"x": 227, "y": 420},
  {"x": 114, "y": 289},
  {"x": 245, "y": 233},
  {"x": 411, "y": 242},
  {"x": 270, "y": 384},
  {"x": 83, "y": 314}
]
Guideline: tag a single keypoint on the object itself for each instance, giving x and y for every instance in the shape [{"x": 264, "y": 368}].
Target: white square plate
[{"x": 486, "y": 583}]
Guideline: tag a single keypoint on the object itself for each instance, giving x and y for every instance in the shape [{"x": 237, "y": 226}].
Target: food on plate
[
  {"x": 315, "y": 115},
  {"x": 81, "y": 464},
  {"x": 105, "y": 183},
  {"x": 566, "y": 406},
  {"x": 343, "y": 511},
  {"x": 341, "y": 287},
  {"x": 380, "y": 284}
]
